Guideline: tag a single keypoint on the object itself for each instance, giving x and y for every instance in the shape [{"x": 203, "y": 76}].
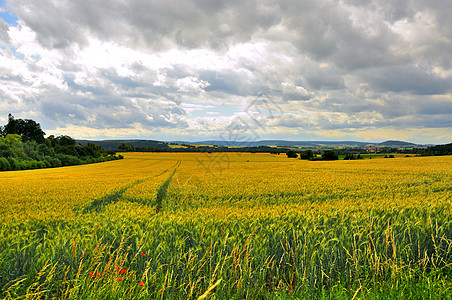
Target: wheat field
[{"x": 228, "y": 226}]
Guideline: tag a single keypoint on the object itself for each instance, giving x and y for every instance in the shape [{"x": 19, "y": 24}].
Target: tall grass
[{"x": 221, "y": 237}]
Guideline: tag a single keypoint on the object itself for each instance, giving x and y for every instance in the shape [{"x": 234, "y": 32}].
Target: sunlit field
[{"x": 228, "y": 226}]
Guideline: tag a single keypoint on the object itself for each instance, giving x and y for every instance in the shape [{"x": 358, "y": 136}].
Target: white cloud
[
  {"x": 334, "y": 68},
  {"x": 191, "y": 84}
]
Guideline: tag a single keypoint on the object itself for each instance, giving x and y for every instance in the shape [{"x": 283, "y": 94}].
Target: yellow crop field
[{"x": 228, "y": 226}]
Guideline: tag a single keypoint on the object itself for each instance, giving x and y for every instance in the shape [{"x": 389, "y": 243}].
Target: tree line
[
  {"x": 355, "y": 153},
  {"x": 23, "y": 146},
  {"x": 309, "y": 155}
]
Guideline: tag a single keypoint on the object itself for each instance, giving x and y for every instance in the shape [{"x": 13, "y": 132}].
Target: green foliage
[
  {"x": 329, "y": 155},
  {"x": 351, "y": 156},
  {"x": 126, "y": 147},
  {"x": 29, "y": 151},
  {"x": 439, "y": 150},
  {"x": 307, "y": 154},
  {"x": 291, "y": 154},
  {"x": 4, "y": 164},
  {"x": 29, "y": 130}
]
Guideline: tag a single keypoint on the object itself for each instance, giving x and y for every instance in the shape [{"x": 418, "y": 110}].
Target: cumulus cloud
[
  {"x": 409, "y": 78},
  {"x": 185, "y": 68},
  {"x": 4, "y": 37},
  {"x": 295, "y": 92},
  {"x": 155, "y": 24}
]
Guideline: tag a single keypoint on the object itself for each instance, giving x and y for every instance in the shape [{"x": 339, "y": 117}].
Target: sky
[{"x": 193, "y": 70}]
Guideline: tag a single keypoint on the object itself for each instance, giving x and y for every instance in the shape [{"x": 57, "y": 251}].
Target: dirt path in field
[{"x": 99, "y": 204}]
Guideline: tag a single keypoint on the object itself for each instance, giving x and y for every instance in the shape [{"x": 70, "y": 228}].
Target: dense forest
[
  {"x": 23, "y": 146},
  {"x": 439, "y": 150}
]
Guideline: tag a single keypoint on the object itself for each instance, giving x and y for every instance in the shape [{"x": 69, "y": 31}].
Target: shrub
[
  {"x": 291, "y": 154},
  {"x": 13, "y": 163},
  {"x": 46, "y": 163},
  {"x": 349, "y": 157},
  {"x": 31, "y": 164},
  {"x": 308, "y": 154},
  {"x": 68, "y": 160},
  {"x": 329, "y": 155},
  {"x": 4, "y": 164},
  {"x": 22, "y": 165}
]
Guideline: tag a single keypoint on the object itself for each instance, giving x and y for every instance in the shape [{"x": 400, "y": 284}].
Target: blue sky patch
[
  {"x": 7, "y": 15},
  {"x": 17, "y": 54}
]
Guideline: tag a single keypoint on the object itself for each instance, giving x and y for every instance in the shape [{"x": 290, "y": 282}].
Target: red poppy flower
[
  {"x": 117, "y": 268},
  {"x": 122, "y": 271},
  {"x": 142, "y": 254},
  {"x": 119, "y": 279},
  {"x": 141, "y": 283},
  {"x": 91, "y": 274},
  {"x": 98, "y": 274}
]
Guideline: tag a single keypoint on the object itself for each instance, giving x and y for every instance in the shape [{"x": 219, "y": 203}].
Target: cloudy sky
[{"x": 367, "y": 70}]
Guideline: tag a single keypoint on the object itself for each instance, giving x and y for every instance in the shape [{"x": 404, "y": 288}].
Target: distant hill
[
  {"x": 281, "y": 143},
  {"x": 113, "y": 144},
  {"x": 397, "y": 144},
  {"x": 284, "y": 143}
]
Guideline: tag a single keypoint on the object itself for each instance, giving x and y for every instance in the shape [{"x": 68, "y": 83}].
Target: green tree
[
  {"x": 349, "y": 156},
  {"x": 29, "y": 130},
  {"x": 291, "y": 154},
  {"x": 126, "y": 147},
  {"x": 4, "y": 164},
  {"x": 11, "y": 146},
  {"x": 329, "y": 155},
  {"x": 307, "y": 154},
  {"x": 65, "y": 140}
]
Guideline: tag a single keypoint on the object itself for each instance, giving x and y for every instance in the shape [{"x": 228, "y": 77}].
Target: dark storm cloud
[
  {"x": 353, "y": 36},
  {"x": 228, "y": 82},
  {"x": 4, "y": 37},
  {"x": 324, "y": 79},
  {"x": 328, "y": 31},
  {"x": 435, "y": 107},
  {"x": 350, "y": 34},
  {"x": 351, "y": 63},
  {"x": 123, "y": 82},
  {"x": 411, "y": 79},
  {"x": 158, "y": 24}
]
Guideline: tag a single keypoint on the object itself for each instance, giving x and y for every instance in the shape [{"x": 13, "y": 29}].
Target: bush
[
  {"x": 6, "y": 151},
  {"x": 291, "y": 154},
  {"x": 308, "y": 154},
  {"x": 4, "y": 164},
  {"x": 349, "y": 157},
  {"x": 13, "y": 163},
  {"x": 329, "y": 155},
  {"x": 46, "y": 163},
  {"x": 68, "y": 160},
  {"x": 56, "y": 163},
  {"x": 31, "y": 164},
  {"x": 21, "y": 165}
]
